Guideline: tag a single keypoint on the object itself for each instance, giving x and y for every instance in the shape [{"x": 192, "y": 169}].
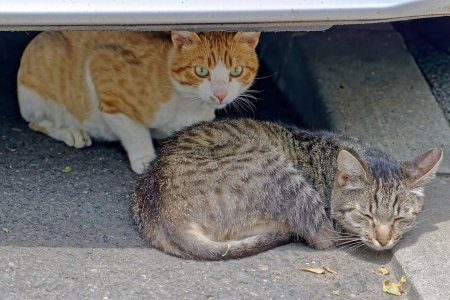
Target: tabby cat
[
  {"x": 233, "y": 188},
  {"x": 116, "y": 85}
]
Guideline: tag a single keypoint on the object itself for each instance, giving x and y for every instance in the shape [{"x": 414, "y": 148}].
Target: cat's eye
[
  {"x": 367, "y": 216},
  {"x": 201, "y": 71},
  {"x": 236, "y": 71}
]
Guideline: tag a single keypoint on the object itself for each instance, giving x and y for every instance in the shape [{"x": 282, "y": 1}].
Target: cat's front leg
[
  {"x": 307, "y": 214},
  {"x": 135, "y": 139},
  {"x": 326, "y": 237}
]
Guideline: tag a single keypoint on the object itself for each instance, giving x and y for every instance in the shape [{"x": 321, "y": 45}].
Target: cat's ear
[
  {"x": 251, "y": 38},
  {"x": 184, "y": 38},
  {"x": 351, "y": 173},
  {"x": 423, "y": 168}
]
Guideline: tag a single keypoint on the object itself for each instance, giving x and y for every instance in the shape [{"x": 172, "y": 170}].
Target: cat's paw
[
  {"x": 76, "y": 138},
  {"x": 139, "y": 165},
  {"x": 325, "y": 238}
]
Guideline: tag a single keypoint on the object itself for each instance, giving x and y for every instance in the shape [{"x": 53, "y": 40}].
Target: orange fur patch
[
  {"x": 129, "y": 71},
  {"x": 212, "y": 48}
]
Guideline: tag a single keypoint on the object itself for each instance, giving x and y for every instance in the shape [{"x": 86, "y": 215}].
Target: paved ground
[{"x": 70, "y": 235}]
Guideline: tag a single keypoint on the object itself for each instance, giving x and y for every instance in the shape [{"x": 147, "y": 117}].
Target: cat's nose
[
  {"x": 383, "y": 242},
  {"x": 383, "y": 234},
  {"x": 220, "y": 95}
]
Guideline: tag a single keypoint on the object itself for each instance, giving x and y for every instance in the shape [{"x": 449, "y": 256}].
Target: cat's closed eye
[
  {"x": 366, "y": 215},
  {"x": 403, "y": 221}
]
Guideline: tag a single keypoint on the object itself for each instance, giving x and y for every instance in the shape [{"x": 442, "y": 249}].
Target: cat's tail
[{"x": 196, "y": 245}]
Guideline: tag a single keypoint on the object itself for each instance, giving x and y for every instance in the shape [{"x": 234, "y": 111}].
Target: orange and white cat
[{"x": 117, "y": 85}]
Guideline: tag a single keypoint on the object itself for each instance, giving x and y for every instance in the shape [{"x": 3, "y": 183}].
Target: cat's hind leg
[
  {"x": 48, "y": 117},
  {"x": 196, "y": 244},
  {"x": 71, "y": 136}
]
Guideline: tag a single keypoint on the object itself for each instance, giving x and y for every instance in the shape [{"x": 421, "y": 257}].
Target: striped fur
[{"x": 234, "y": 188}]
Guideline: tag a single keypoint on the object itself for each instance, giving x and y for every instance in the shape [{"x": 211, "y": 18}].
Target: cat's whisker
[
  {"x": 344, "y": 233},
  {"x": 235, "y": 105},
  {"x": 345, "y": 240},
  {"x": 344, "y": 246},
  {"x": 252, "y": 97},
  {"x": 354, "y": 248},
  {"x": 267, "y": 76},
  {"x": 349, "y": 248},
  {"x": 242, "y": 108},
  {"x": 248, "y": 104},
  {"x": 241, "y": 102},
  {"x": 339, "y": 241},
  {"x": 349, "y": 242},
  {"x": 253, "y": 91},
  {"x": 245, "y": 99}
]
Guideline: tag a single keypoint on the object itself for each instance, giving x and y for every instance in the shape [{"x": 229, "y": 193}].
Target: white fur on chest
[{"x": 178, "y": 113}]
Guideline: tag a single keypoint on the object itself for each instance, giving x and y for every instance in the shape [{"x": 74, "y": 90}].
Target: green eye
[
  {"x": 201, "y": 71},
  {"x": 236, "y": 71}
]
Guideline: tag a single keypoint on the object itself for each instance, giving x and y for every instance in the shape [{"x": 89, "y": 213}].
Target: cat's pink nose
[
  {"x": 383, "y": 234},
  {"x": 383, "y": 242},
  {"x": 220, "y": 95}
]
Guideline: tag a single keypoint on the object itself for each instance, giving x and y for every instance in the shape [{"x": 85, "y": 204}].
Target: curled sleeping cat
[
  {"x": 116, "y": 85},
  {"x": 234, "y": 188}
]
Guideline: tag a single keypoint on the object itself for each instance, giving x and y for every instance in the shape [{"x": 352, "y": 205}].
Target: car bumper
[{"x": 209, "y": 15}]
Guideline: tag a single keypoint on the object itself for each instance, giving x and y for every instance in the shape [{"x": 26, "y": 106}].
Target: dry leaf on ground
[
  {"x": 394, "y": 288},
  {"x": 67, "y": 169},
  {"x": 383, "y": 271},
  {"x": 337, "y": 292},
  {"x": 314, "y": 270}
]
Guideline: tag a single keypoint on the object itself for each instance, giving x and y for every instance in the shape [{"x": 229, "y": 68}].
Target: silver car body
[{"x": 208, "y": 15}]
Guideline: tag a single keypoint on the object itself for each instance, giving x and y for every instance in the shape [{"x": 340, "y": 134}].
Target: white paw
[
  {"x": 139, "y": 165},
  {"x": 77, "y": 138}
]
